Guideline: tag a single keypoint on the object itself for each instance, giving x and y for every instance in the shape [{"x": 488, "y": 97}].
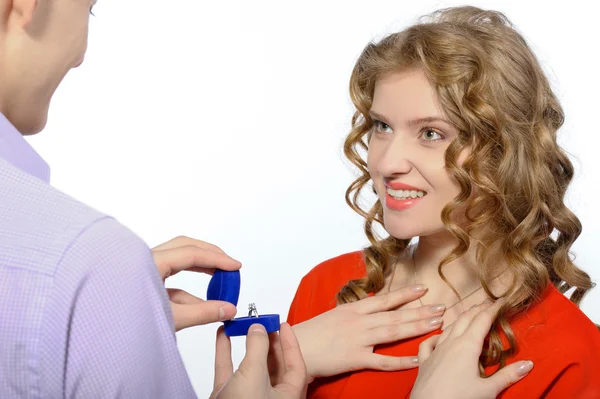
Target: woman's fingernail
[
  {"x": 487, "y": 302},
  {"x": 222, "y": 313},
  {"x": 414, "y": 360},
  {"x": 525, "y": 368},
  {"x": 437, "y": 308},
  {"x": 436, "y": 321},
  {"x": 419, "y": 288}
]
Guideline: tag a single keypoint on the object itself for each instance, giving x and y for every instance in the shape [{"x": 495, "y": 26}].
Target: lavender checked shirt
[{"x": 83, "y": 310}]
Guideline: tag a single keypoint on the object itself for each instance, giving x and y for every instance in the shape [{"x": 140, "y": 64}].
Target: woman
[{"x": 459, "y": 123}]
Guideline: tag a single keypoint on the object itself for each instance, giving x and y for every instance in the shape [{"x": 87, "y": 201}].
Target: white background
[{"x": 224, "y": 120}]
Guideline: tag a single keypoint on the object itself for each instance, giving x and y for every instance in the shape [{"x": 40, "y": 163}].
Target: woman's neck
[{"x": 463, "y": 273}]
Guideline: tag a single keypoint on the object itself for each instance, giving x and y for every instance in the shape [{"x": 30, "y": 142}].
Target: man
[{"x": 84, "y": 312}]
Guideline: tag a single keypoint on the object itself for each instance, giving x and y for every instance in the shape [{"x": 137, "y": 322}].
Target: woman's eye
[
  {"x": 381, "y": 127},
  {"x": 431, "y": 135}
]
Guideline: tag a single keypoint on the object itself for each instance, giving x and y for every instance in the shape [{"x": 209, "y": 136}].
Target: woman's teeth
[{"x": 405, "y": 194}]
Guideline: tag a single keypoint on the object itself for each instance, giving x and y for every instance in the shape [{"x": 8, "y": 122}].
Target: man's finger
[
  {"x": 389, "y": 300},
  {"x": 201, "y": 313},
  {"x": 295, "y": 377},
  {"x": 182, "y": 297},
  {"x": 507, "y": 376},
  {"x": 223, "y": 363},
  {"x": 174, "y": 260},
  {"x": 183, "y": 241},
  {"x": 275, "y": 361},
  {"x": 257, "y": 350},
  {"x": 426, "y": 348}
]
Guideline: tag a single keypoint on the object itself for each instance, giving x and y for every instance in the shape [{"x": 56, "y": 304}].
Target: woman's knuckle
[{"x": 385, "y": 363}]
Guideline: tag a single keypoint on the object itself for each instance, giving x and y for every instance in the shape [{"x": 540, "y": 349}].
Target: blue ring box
[{"x": 225, "y": 286}]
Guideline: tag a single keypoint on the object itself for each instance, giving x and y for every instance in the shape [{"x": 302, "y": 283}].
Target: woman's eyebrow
[{"x": 412, "y": 122}]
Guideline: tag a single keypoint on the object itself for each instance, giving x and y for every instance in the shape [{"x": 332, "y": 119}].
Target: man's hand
[
  {"x": 449, "y": 363},
  {"x": 251, "y": 380},
  {"x": 183, "y": 253}
]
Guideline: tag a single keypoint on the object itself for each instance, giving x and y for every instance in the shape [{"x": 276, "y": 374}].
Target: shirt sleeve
[
  {"x": 120, "y": 340},
  {"x": 300, "y": 309},
  {"x": 576, "y": 381}
]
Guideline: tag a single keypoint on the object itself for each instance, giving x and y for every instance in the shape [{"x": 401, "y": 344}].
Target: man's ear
[{"x": 22, "y": 11}]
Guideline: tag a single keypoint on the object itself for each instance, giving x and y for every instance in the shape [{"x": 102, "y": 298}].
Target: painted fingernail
[
  {"x": 419, "y": 288},
  {"x": 436, "y": 321},
  {"x": 414, "y": 360},
  {"x": 437, "y": 308},
  {"x": 525, "y": 368}
]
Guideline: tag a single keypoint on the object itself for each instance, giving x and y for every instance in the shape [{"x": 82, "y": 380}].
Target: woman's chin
[
  {"x": 402, "y": 233},
  {"x": 407, "y": 233}
]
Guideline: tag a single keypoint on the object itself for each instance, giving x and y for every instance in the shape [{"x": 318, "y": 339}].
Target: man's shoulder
[{"x": 38, "y": 222}]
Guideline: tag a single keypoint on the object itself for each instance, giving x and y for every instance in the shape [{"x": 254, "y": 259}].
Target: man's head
[{"x": 40, "y": 41}]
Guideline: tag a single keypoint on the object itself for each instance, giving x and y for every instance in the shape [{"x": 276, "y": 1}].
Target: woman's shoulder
[
  {"x": 564, "y": 318},
  {"x": 558, "y": 329},
  {"x": 350, "y": 265},
  {"x": 564, "y": 345},
  {"x": 317, "y": 291}
]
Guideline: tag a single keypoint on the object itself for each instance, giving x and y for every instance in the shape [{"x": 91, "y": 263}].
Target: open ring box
[{"x": 225, "y": 286}]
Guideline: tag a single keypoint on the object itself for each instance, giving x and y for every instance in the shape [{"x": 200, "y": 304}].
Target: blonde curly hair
[{"x": 513, "y": 183}]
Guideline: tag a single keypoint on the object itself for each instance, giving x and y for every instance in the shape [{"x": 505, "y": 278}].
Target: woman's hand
[
  {"x": 343, "y": 338},
  {"x": 449, "y": 363}
]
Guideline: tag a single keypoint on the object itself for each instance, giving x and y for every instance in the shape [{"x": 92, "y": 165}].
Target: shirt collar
[{"x": 16, "y": 150}]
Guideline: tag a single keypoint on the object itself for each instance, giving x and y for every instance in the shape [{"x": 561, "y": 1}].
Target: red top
[{"x": 561, "y": 341}]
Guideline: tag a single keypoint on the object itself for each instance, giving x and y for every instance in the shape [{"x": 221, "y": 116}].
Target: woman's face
[{"x": 406, "y": 155}]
